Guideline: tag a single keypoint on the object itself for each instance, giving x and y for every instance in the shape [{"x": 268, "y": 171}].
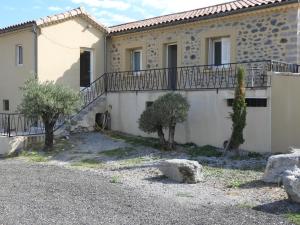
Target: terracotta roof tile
[
  {"x": 197, "y": 13},
  {"x": 42, "y": 22}
]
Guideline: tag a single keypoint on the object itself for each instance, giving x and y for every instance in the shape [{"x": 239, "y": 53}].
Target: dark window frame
[
  {"x": 20, "y": 55},
  {"x": 149, "y": 104},
  {"x": 252, "y": 102},
  {"x": 6, "y": 105}
]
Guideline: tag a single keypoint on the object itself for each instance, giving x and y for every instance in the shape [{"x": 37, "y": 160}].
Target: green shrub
[{"x": 165, "y": 113}]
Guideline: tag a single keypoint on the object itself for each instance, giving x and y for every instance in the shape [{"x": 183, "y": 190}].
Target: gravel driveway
[{"x": 46, "y": 194}]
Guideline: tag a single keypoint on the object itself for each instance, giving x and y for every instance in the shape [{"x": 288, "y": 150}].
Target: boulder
[
  {"x": 278, "y": 164},
  {"x": 291, "y": 183},
  {"x": 182, "y": 170}
]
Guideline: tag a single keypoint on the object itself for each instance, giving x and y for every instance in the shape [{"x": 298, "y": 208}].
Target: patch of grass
[
  {"x": 35, "y": 156},
  {"x": 136, "y": 140},
  {"x": 115, "y": 180},
  {"x": 294, "y": 218},
  {"x": 232, "y": 178},
  {"x": 235, "y": 183},
  {"x": 206, "y": 150},
  {"x": 184, "y": 195},
  {"x": 213, "y": 171},
  {"x": 118, "y": 152},
  {"x": 88, "y": 163},
  {"x": 245, "y": 206}
]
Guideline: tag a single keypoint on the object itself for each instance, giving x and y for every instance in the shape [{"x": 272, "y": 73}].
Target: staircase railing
[
  {"x": 96, "y": 89},
  {"x": 179, "y": 78}
]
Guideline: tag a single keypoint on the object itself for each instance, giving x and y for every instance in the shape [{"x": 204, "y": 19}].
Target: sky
[{"x": 108, "y": 12}]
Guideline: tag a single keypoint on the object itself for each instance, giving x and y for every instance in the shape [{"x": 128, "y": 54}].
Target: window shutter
[
  {"x": 226, "y": 49},
  {"x": 210, "y": 56}
]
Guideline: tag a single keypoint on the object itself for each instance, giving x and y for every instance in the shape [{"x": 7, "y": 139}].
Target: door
[
  {"x": 85, "y": 69},
  {"x": 172, "y": 65}
]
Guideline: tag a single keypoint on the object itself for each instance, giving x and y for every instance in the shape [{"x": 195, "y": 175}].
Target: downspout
[
  {"x": 105, "y": 62},
  {"x": 35, "y": 51},
  {"x": 105, "y": 53}
]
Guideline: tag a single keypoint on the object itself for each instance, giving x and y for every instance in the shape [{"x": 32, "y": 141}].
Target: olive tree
[
  {"x": 151, "y": 122},
  {"x": 48, "y": 101},
  {"x": 165, "y": 113},
  {"x": 238, "y": 116}
]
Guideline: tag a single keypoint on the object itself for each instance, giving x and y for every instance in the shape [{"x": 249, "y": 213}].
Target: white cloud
[
  {"x": 106, "y": 4},
  {"x": 171, "y": 6},
  {"x": 54, "y": 8},
  {"x": 112, "y": 12},
  {"x": 108, "y": 18}
]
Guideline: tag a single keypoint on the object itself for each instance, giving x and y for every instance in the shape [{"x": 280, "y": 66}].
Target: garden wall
[
  {"x": 285, "y": 112},
  {"x": 208, "y": 121}
]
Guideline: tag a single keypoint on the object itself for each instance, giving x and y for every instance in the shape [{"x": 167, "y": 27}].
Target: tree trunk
[
  {"x": 161, "y": 136},
  {"x": 171, "y": 142},
  {"x": 49, "y": 135}
]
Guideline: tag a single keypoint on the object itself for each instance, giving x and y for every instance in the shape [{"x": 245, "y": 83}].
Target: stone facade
[{"x": 263, "y": 35}]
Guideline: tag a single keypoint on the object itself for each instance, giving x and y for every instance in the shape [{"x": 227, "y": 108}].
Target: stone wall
[{"x": 264, "y": 35}]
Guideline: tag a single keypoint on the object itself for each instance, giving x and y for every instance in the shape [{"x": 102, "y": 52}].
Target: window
[
  {"x": 219, "y": 51},
  {"x": 136, "y": 59},
  {"x": 149, "y": 104},
  {"x": 5, "y": 105},
  {"x": 252, "y": 102},
  {"x": 19, "y": 56}
]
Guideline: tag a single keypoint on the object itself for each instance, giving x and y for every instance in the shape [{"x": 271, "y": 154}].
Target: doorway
[
  {"x": 86, "y": 65},
  {"x": 172, "y": 65}
]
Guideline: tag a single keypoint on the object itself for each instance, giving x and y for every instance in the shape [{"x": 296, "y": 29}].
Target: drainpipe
[
  {"x": 105, "y": 63},
  {"x": 105, "y": 53},
  {"x": 35, "y": 46}
]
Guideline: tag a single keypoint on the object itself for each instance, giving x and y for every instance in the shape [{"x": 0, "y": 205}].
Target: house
[{"x": 195, "y": 53}]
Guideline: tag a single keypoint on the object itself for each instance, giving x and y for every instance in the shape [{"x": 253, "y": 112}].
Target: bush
[
  {"x": 48, "y": 101},
  {"x": 165, "y": 113}
]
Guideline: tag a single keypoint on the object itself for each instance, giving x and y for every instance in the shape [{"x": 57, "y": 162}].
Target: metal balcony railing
[{"x": 179, "y": 78}]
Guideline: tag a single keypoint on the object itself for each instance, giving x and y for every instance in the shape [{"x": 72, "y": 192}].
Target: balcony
[{"x": 186, "y": 78}]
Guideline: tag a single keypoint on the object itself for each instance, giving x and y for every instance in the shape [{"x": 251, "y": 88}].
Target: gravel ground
[
  {"x": 33, "y": 193},
  {"x": 130, "y": 172}
]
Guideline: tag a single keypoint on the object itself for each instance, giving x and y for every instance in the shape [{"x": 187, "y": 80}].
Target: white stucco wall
[
  {"x": 208, "y": 121},
  {"x": 59, "y": 51},
  {"x": 13, "y": 76},
  {"x": 285, "y": 112}
]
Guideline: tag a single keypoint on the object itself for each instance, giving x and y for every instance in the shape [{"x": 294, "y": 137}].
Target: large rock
[
  {"x": 278, "y": 164},
  {"x": 182, "y": 170},
  {"x": 291, "y": 183}
]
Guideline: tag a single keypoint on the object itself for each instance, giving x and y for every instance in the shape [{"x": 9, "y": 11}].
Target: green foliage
[
  {"x": 88, "y": 163},
  {"x": 206, "y": 150},
  {"x": 115, "y": 180},
  {"x": 171, "y": 108},
  {"x": 239, "y": 114},
  {"x": 48, "y": 101},
  {"x": 294, "y": 218},
  {"x": 151, "y": 121},
  {"x": 34, "y": 156},
  {"x": 165, "y": 113}
]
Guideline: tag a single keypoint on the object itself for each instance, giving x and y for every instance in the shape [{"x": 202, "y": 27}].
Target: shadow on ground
[{"x": 281, "y": 207}]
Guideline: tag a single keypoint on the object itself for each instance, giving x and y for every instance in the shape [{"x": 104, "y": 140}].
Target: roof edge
[
  {"x": 57, "y": 18},
  {"x": 207, "y": 17}
]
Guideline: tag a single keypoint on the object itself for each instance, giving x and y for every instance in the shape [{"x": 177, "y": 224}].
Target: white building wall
[{"x": 208, "y": 121}]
